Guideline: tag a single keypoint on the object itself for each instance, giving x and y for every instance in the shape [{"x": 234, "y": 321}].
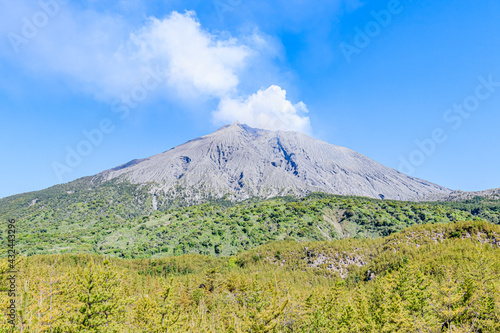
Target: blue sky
[{"x": 88, "y": 85}]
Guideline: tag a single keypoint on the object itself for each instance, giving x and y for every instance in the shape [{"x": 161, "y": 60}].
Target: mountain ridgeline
[
  {"x": 233, "y": 164},
  {"x": 211, "y": 196},
  {"x": 238, "y": 162}
]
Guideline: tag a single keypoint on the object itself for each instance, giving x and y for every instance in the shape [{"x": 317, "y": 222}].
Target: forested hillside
[
  {"x": 119, "y": 220},
  {"x": 322, "y": 263},
  {"x": 429, "y": 278}
]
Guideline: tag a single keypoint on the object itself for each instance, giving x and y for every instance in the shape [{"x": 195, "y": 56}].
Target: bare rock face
[
  {"x": 239, "y": 162},
  {"x": 493, "y": 194}
]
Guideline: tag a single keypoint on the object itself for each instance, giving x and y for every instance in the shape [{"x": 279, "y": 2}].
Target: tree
[{"x": 99, "y": 303}]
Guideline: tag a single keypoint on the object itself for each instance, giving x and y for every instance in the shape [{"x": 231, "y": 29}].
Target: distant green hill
[{"x": 118, "y": 219}]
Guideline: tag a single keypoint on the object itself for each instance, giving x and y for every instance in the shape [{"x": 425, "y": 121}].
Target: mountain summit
[{"x": 238, "y": 162}]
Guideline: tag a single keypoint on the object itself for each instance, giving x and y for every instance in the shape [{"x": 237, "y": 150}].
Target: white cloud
[
  {"x": 104, "y": 55},
  {"x": 100, "y": 53},
  {"x": 267, "y": 109},
  {"x": 195, "y": 61}
]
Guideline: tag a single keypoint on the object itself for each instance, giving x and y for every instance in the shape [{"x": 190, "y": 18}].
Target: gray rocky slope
[
  {"x": 238, "y": 162},
  {"x": 493, "y": 194}
]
